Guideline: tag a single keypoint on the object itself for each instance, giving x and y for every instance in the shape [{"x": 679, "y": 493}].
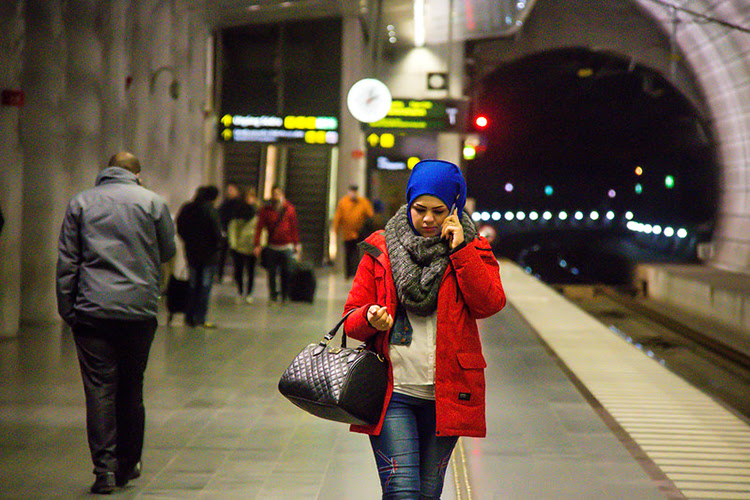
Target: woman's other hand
[{"x": 379, "y": 318}]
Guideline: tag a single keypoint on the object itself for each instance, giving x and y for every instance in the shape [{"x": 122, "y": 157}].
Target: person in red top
[
  {"x": 421, "y": 286},
  {"x": 279, "y": 218}
]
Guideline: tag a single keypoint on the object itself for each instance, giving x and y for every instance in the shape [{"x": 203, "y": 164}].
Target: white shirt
[{"x": 414, "y": 364}]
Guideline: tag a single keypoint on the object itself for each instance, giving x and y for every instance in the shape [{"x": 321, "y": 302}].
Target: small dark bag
[
  {"x": 337, "y": 383},
  {"x": 266, "y": 257}
]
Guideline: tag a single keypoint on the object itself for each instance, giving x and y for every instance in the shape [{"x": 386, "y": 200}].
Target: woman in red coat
[{"x": 420, "y": 287}]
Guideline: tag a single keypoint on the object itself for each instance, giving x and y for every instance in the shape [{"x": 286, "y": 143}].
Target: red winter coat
[{"x": 470, "y": 289}]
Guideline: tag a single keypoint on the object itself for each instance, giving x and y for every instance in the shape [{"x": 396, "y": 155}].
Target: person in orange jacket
[
  {"x": 352, "y": 213},
  {"x": 422, "y": 284}
]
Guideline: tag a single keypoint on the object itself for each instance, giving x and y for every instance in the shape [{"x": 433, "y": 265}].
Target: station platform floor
[{"x": 573, "y": 412}]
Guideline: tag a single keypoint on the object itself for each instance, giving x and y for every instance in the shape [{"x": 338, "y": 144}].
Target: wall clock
[{"x": 369, "y": 100}]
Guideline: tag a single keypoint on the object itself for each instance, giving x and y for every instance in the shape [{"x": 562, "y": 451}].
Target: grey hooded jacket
[{"x": 112, "y": 242}]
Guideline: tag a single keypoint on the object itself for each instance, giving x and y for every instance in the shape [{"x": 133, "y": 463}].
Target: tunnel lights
[
  {"x": 594, "y": 215},
  {"x": 656, "y": 229},
  {"x": 495, "y": 215},
  {"x": 547, "y": 215},
  {"x": 520, "y": 215},
  {"x": 476, "y": 216},
  {"x": 629, "y": 215},
  {"x": 509, "y": 216},
  {"x": 533, "y": 215},
  {"x": 578, "y": 215},
  {"x": 610, "y": 215}
]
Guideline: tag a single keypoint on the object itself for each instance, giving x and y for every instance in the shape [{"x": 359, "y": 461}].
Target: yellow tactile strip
[{"x": 702, "y": 447}]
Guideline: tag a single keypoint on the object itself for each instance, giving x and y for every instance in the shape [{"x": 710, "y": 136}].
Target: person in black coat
[{"x": 200, "y": 229}]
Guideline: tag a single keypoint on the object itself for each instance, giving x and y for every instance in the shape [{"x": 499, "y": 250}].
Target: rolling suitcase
[
  {"x": 178, "y": 291},
  {"x": 302, "y": 283}
]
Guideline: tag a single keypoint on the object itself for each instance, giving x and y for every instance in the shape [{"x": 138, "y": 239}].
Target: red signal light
[{"x": 481, "y": 122}]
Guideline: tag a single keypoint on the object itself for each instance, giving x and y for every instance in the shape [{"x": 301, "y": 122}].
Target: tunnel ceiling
[{"x": 571, "y": 98}]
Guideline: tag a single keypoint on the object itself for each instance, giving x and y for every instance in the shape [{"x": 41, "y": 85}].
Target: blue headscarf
[{"x": 438, "y": 178}]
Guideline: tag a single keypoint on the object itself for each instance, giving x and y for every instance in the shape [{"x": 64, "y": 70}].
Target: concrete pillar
[
  {"x": 11, "y": 175},
  {"x": 43, "y": 141},
  {"x": 355, "y": 65},
  {"x": 83, "y": 112},
  {"x": 115, "y": 75}
]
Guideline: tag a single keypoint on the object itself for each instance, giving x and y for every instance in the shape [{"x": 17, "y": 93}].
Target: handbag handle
[{"x": 329, "y": 336}]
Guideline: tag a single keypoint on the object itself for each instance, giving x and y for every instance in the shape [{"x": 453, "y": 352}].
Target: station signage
[
  {"x": 422, "y": 115},
  {"x": 265, "y": 128}
]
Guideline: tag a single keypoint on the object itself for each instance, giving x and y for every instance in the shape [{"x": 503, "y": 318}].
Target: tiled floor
[{"x": 218, "y": 428}]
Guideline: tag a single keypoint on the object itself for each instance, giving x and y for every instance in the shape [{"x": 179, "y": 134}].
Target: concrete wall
[
  {"x": 720, "y": 58},
  {"x": 96, "y": 77}
]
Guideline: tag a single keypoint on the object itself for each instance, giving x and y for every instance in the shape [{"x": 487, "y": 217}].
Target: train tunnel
[{"x": 601, "y": 143}]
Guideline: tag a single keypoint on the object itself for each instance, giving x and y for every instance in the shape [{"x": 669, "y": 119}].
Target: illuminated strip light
[
  {"x": 656, "y": 229},
  {"x": 419, "y": 32}
]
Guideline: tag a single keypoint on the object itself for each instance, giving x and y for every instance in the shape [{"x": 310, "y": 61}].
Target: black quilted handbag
[{"x": 337, "y": 383}]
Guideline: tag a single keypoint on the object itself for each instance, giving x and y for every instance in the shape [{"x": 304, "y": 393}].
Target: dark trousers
[
  {"x": 113, "y": 355},
  {"x": 201, "y": 279},
  {"x": 244, "y": 263},
  {"x": 352, "y": 256},
  {"x": 223, "y": 250},
  {"x": 281, "y": 265}
]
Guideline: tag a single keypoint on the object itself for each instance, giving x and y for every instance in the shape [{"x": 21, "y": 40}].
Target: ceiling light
[{"x": 419, "y": 29}]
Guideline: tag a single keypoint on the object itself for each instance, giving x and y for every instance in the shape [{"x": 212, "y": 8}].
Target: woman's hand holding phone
[{"x": 452, "y": 230}]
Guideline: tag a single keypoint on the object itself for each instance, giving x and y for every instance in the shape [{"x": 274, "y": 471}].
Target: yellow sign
[
  {"x": 226, "y": 134},
  {"x": 226, "y": 120},
  {"x": 383, "y": 140}
]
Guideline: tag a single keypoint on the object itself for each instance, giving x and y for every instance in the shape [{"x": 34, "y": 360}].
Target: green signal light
[
  {"x": 638, "y": 188},
  {"x": 669, "y": 181}
]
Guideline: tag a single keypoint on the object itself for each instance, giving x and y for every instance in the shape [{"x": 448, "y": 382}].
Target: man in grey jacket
[{"x": 113, "y": 241}]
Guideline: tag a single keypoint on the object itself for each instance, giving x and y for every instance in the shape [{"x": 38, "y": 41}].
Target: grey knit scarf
[{"x": 418, "y": 262}]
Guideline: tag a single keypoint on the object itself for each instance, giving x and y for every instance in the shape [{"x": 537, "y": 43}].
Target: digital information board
[
  {"x": 428, "y": 115},
  {"x": 301, "y": 129}
]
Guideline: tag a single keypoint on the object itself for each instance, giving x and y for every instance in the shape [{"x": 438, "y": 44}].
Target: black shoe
[
  {"x": 104, "y": 484},
  {"x": 129, "y": 474}
]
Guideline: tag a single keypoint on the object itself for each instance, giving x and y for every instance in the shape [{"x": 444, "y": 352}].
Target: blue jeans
[
  {"x": 201, "y": 278},
  {"x": 411, "y": 459},
  {"x": 281, "y": 264}
]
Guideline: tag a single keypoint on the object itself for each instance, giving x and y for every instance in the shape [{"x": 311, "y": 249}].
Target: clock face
[{"x": 369, "y": 100}]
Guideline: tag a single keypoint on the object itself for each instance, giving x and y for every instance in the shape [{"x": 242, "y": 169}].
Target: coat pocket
[
  {"x": 469, "y": 390},
  {"x": 471, "y": 360}
]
